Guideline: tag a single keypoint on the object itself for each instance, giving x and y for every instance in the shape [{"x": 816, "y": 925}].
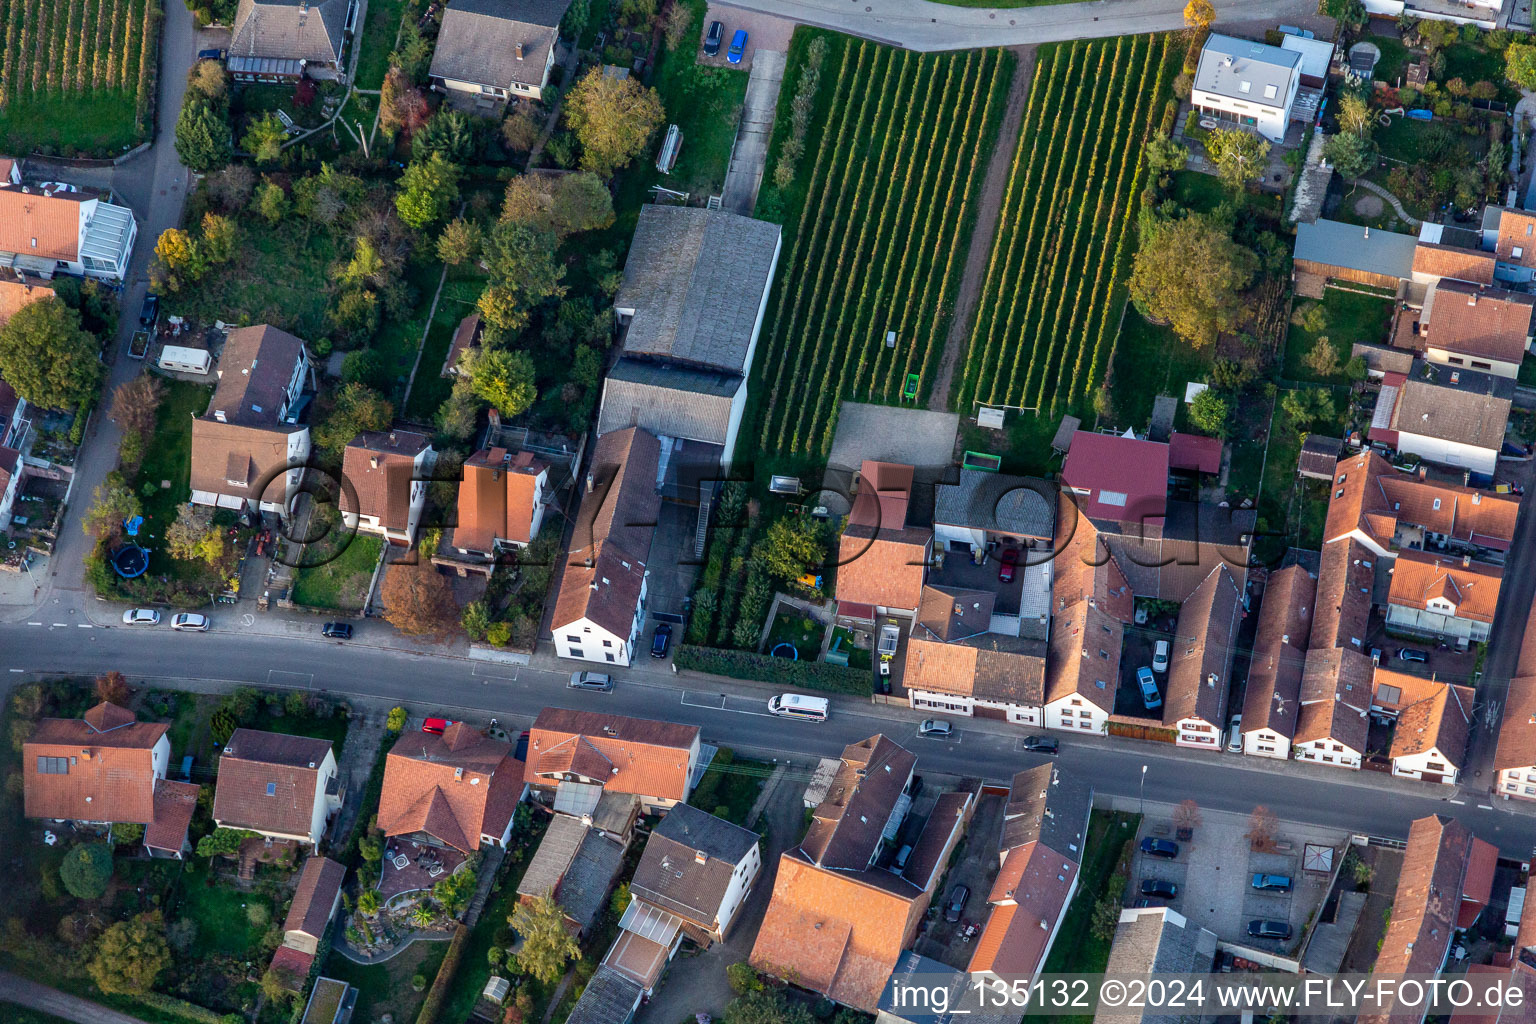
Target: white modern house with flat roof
[{"x": 1247, "y": 83}]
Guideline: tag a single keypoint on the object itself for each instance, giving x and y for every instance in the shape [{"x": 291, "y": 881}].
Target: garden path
[
  {"x": 28, "y": 993},
  {"x": 985, "y": 229},
  {"x": 1371, "y": 186}
]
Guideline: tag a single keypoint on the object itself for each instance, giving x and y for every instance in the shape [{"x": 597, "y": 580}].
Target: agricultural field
[
  {"x": 1055, "y": 281},
  {"x": 77, "y": 77},
  {"x": 876, "y": 238}
]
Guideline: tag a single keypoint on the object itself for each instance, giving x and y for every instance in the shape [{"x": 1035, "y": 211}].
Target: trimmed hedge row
[
  {"x": 761, "y": 668},
  {"x": 181, "y": 1008},
  {"x": 444, "y": 980}
]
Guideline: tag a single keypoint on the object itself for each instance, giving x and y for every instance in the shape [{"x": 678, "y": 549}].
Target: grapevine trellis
[
  {"x": 54, "y": 48},
  {"x": 1055, "y": 279},
  {"x": 894, "y": 180}
]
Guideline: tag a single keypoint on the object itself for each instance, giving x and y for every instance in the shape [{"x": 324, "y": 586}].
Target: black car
[
  {"x": 150, "y": 311},
  {"x": 214, "y": 54},
  {"x": 714, "y": 39},
  {"x": 1269, "y": 929},
  {"x": 661, "y": 640},
  {"x": 1040, "y": 744},
  {"x": 1159, "y": 847},
  {"x": 957, "y": 898},
  {"x": 337, "y": 631},
  {"x": 1159, "y": 888},
  {"x": 1412, "y": 654}
]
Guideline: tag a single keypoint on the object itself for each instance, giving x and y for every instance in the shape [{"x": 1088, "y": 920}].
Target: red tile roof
[
  {"x": 1191, "y": 451},
  {"x": 315, "y": 897},
  {"x": 1438, "y": 260},
  {"x": 47, "y": 226},
  {"x": 108, "y": 772},
  {"x": 174, "y": 804},
  {"x": 1487, "y": 323},
  {"x": 379, "y": 467},
  {"x": 651, "y": 758},
  {"x": 1279, "y": 652},
  {"x": 1117, "y": 477},
  {"x": 1441, "y": 721},
  {"x": 884, "y": 492},
  {"x": 1374, "y": 498},
  {"x": 15, "y": 294},
  {"x": 496, "y": 498},
  {"x": 1018, "y": 932},
  {"x": 1517, "y": 231},
  {"x": 1471, "y": 588},
  {"x": 296, "y": 962},
  {"x": 455, "y": 787},
  {"x": 1202, "y": 652},
  {"x": 269, "y": 782}
]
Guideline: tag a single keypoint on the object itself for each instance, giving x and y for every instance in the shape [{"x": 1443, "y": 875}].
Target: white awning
[
  {"x": 577, "y": 799},
  {"x": 107, "y": 235},
  {"x": 650, "y": 922}
]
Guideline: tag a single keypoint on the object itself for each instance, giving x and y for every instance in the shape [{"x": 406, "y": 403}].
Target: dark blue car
[
  {"x": 1159, "y": 847},
  {"x": 738, "y": 46}
]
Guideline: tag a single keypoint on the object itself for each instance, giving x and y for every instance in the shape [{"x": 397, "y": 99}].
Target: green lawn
[
  {"x": 386, "y": 987},
  {"x": 168, "y": 458},
  {"x": 706, "y": 106},
  {"x": 281, "y": 277},
  {"x": 1076, "y": 949},
  {"x": 731, "y": 786},
  {"x": 341, "y": 583},
  {"x": 1204, "y": 192},
  {"x": 1352, "y": 317},
  {"x": 398, "y": 339},
  {"x": 791, "y": 627},
  {"x": 1150, "y": 360},
  {"x": 221, "y": 911},
  {"x": 460, "y": 292},
  {"x": 1401, "y": 138},
  {"x": 98, "y": 123},
  {"x": 1394, "y": 56},
  {"x": 858, "y": 657},
  {"x": 380, "y": 30},
  {"x": 1472, "y": 63}
]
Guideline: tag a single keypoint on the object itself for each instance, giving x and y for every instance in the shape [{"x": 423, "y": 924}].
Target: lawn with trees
[
  {"x": 1055, "y": 281},
  {"x": 77, "y": 78},
  {"x": 877, "y": 195}
]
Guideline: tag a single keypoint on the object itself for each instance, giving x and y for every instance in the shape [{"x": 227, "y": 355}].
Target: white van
[{"x": 793, "y": 705}]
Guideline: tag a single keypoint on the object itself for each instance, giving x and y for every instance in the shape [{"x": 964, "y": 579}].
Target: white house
[
  {"x": 1482, "y": 13},
  {"x": 690, "y": 308},
  {"x": 281, "y": 786},
  {"x": 64, "y": 230},
  {"x": 1332, "y": 723},
  {"x": 1445, "y": 415},
  {"x": 250, "y": 448},
  {"x": 697, "y": 871},
  {"x": 601, "y": 604},
  {"x": 490, "y": 51},
  {"x": 1247, "y": 83},
  {"x": 385, "y": 475},
  {"x": 1430, "y": 739}
]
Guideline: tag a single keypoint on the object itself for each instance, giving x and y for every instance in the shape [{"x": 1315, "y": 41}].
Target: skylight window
[
  {"x": 1113, "y": 498},
  {"x": 271, "y": 789},
  {"x": 1245, "y": 87}
]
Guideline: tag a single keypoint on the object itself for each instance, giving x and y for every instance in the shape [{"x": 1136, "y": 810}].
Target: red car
[
  {"x": 1009, "y": 559},
  {"x": 436, "y": 726}
]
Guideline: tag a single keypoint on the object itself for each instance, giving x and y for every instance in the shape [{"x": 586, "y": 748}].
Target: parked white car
[
  {"x": 141, "y": 617},
  {"x": 190, "y": 622}
]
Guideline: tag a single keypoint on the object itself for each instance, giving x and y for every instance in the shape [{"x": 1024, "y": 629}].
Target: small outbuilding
[{"x": 1319, "y": 457}]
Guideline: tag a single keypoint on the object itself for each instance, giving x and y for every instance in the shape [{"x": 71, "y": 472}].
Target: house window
[
  {"x": 607, "y": 643},
  {"x": 1434, "y": 767},
  {"x": 1530, "y": 790},
  {"x": 576, "y": 653},
  {"x": 609, "y": 656},
  {"x": 1266, "y": 750},
  {"x": 1338, "y": 746},
  {"x": 1328, "y": 758},
  {"x": 1517, "y": 251},
  {"x": 1437, "y": 504},
  {"x": 1479, "y": 365},
  {"x": 573, "y": 639}
]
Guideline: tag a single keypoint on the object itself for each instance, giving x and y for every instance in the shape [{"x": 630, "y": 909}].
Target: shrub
[
  {"x": 434, "y": 1001},
  {"x": 810, "y": 675},
  {"x": 86, "y": 870},
  {"x": 743, "y": 978}
]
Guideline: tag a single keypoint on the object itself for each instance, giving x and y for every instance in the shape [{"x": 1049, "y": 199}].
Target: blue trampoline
[
  {"x": 780, "y": 649},
  {"x": 130, "y": 561}
]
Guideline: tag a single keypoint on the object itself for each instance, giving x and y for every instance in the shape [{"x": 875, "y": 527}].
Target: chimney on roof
[
  {"x": 589, "y": 483},
  {"x": 521, "y": 49},
  {"x": 458, "y": 775},
  {"x": 1423, "y": 472},
  {"x": 374, "y": 462},
  {"x": 391, "y": 437},
  {"x": 1466, "y": 561}
]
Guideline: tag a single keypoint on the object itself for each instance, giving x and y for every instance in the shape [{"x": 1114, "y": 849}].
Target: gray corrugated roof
[
  {"x": 609, "y": 998},
  {"x": 1228, "y": 64},
  {"x": 695, "y": 279},
  {"x": 993, "y": 501},
  {"x": 553, "y": 857},
  {"x": 1355, "y": 248},
  {"x": 295, "y": 29},
  {"x": 584, "y": 889},
  {"x": 669, "y": 401},
  {"x": 479, "y": 39}
]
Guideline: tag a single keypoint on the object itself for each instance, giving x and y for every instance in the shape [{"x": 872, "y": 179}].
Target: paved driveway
[
  {"x": 60, "y": 1004},
  {"x": 921, "y": 25},
  {"x": 750, "y": 154}
]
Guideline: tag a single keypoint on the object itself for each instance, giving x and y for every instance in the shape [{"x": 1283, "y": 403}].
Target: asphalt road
[
  {"x": 734, "y": 713},
  {"x": 921, "y": 25}
]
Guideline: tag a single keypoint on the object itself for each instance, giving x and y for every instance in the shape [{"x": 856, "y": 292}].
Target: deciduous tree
[
  {"x": 563, "y": 205},
  {"x": 1239, "y": 156},
  {"x": 264, "y": 139},
  {"x": 1262, "y": 826},
  {"x": 1520, "y": 65},
  {"x": 793, "y": 546},
  {"x": 1323, "y": 358},
  {"x": 130, "y": 955},
  {"x": 358, "y": 408},
  {"x": 426, "y": 189},
  {"x": 271, "y": 202},
  {"x": 112, "y": 687},
  {"x": 1350, "y": 155},
  {"x": 613, "y": 118},
  {"x": 547, "y": 946},
  {"x": 1355, "y": 114},
  {"x": 417, "y": 599},
  {"x": 521, "y": 130},
  {"x": 1209, "y": 413},
  {"x": 503, "y": 378},
  {"x": 113, "y": 504},
  {"x": 192, "y": 536},
  {"x": 1190, "y": 273},
  {"x": 48, "y": 357},
  {"x": 459, "y": 243},
  {"x": 220, "y": 240},
  {"x": 86, "y": 869},
  {"x": 135, "y": 403},
  {"x": 1165, "y": 156},
  {"x": 402, "y": 107},
  {"x": 522, "y": 260},
  {"x": 1198, "y": 14}
]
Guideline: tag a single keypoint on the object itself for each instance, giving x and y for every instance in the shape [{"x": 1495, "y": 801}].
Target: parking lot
[
  {"x": 1214, "y": 871},
  {"x": 1136, "y": 652},
  {"x": 764, "y": 32}
]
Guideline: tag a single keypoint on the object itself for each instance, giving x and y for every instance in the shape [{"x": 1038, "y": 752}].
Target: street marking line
[
  {"x": 477, "y": 674},
  {"x": 84, "y": 625},
  {"x": 34, "y": 623},
  {"x": 719, "y": 702},
  {"x": 705, "y": 704},
  {"x": 1485, "y": 807},
  {"x": 295, "y": 680},
  {"x": 60, "y": 625},
  {"x": 18, "y": 670},
  {"x": 1458, "y": 803}
]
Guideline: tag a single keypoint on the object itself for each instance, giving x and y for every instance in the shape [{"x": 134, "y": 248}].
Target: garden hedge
[
  {"x": 439, "y": 990},
  {"x": 804, "y": 675}
]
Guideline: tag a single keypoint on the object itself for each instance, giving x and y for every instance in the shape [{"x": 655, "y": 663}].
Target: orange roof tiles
[
  {"x": 93, "y": 774},
  {"x": 496, "y": 498},
  {"x": 1517, "y": 238},
  {"x": 456, "y": 787},
  {"x": 1335, "y": 696},
  {"x": 1374, "y": 498},
  {"x": 174, "y": 804},
  {"x": 380, "y": 467},
  {"x": 651, "y": 758},
  {"x": 1488, "y": 323},
  {"x": 15, "y": 294},
  {"x": 1197, "y": 681},
  {"x": 1436, "y": 260},
  {"x": 1470, "y": 588},
  {"x": 1440, "y": 722},
  {"x": 883, "y": 568},
  {"x": 1018, "y": 931},
  {"x": 884, "y": 492},
  {"x": 36, "y": 224},
  {"x": 1345, "y": 578},
  {"x": 315, "y": 897}
]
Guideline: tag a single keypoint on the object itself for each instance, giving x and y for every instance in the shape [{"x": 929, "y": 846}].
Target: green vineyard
[
  {"x": 880, "y": 239},
  {"x": 76, "y": 76},
  {"x": 1055, "y": 281}
]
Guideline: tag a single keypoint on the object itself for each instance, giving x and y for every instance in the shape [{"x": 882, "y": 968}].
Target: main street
[{"x": 734, "y": 714}]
